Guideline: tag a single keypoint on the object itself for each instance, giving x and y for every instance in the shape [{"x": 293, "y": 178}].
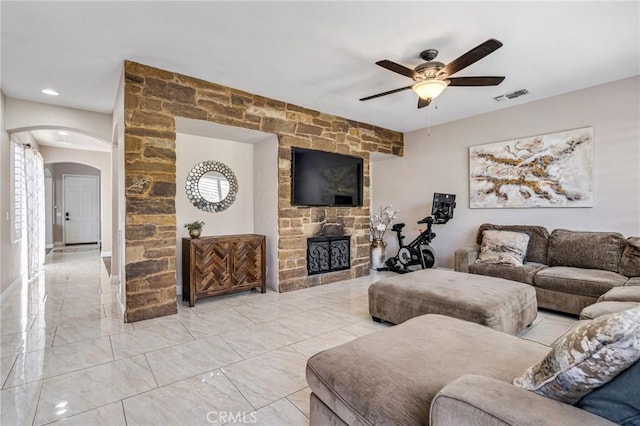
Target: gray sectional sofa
[{"x": 570, "y": 270}]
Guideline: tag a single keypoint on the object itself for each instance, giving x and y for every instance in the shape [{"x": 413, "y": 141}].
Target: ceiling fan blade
[
  {"x": 475, "y": 81},
  {"x": 423, "y": 102},
  {"x": 471, "y": 56},
  {"x": 386, "y": 93},
  {"x": 400, "y": 69}
]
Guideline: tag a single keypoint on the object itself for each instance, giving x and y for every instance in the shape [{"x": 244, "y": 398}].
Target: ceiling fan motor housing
[{"x": 428, "y": 70}]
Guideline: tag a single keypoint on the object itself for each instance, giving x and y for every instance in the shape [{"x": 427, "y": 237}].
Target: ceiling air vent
[{"x": 511, "y": 95}]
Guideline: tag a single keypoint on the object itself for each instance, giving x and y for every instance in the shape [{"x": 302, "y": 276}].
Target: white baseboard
[
  {"x": 105, "y": 254},
  {"x": 48, "y": 246},
  {"x": 58, "y": 244}
]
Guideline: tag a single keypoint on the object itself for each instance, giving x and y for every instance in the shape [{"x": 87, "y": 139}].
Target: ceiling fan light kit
[
  {"x": 430, "y": 89},
  {"x": 432, "y": 77}
]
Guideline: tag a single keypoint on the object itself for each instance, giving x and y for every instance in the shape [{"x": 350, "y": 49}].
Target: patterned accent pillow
[
  {"x": 630, "y": 261},
  {"x": 586, "y": 357},
  {"x": 503, "y": 247}
]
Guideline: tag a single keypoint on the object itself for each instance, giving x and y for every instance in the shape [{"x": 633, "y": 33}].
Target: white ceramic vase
[{"x": 378, "y": 253}]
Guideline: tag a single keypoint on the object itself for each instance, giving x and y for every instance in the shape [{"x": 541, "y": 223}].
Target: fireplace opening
[{"x": 328, "y": 254}]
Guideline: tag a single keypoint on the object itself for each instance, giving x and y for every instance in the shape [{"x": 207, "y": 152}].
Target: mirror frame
[{"x": 193, "y": 193}]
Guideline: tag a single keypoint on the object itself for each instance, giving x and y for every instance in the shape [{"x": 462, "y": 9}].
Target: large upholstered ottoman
[
  {"x": 393, "y": 376},
  {"x": 503, "y": 305}
]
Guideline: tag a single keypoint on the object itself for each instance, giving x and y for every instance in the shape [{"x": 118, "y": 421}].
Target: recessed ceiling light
[
  {"x": 50, "y": 92},
  {"x": 63, "y": 133}
]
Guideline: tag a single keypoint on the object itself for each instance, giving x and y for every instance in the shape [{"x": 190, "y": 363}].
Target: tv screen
[{"x": 321, "y": 178}]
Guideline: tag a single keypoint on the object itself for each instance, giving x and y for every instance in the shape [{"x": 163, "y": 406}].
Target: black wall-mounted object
[{"x": 321, "y": 178}]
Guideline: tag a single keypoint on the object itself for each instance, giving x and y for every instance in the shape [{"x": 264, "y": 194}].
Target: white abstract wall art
[{"x": 553, "y": 170}]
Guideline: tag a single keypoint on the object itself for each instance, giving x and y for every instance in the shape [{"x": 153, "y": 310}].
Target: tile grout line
[
  {"x": 151, "y": 371},
  {"x": 53, "y": 340},
  {"x": 291, "y": 402},
  {"x": 124, "y": 412},
  {"x": 224, "y": 373},
  {"x": 35, "y": 412},
  {"x": 67, "y": 372},
  {"x": 15, "y": 359}
]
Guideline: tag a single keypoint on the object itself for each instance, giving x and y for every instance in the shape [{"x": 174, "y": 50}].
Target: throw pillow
[
  {"x": 503, "y": 247},
  {"x": 586, "y": 357},
  {"x": 630, "y": 261},
  {"x": 618, "y": 400}
]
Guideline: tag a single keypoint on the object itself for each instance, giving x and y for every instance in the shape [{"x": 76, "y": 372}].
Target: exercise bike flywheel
[{"x": 405, "y": 256}]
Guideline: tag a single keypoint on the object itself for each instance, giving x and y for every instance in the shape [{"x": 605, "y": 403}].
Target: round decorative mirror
[{"x": 211, "y": 186}]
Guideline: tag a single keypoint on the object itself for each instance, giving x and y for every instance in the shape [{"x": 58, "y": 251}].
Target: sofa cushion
[
  {"x": 593, "y": 250},
  {"x": 523, "y": 274},
  {"x": 586, "y": 282},
  {"x": 538, "y": 239},
  {"x": 391, "y": 376},
  {"x": 605, "y": 308},
  {"x": 633, "y": 281},
  {"x": 586, "y": 358},
  {"x": 618, "y": 400},
  {"x": 503, "y": 247},
  {"x": 630, "y": 260},
  {"x": 622, "y": 294}
]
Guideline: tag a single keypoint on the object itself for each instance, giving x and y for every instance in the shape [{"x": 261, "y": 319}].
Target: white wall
[
  {"x": 440, "y": 163},
  {"x": 237, "y": 219},
  {"x": 9, "y": 250},
  {"x": 98, "y": 160},
  {"x": 265, "y": 202},
  {"x": 117, "y": 196},
  {"x": 27, "y": 115}
]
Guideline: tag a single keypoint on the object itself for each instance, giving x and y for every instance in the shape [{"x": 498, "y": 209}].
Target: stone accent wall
[{"x": 153, "y": 97}]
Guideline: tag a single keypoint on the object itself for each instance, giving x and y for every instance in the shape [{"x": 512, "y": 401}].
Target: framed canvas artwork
[{"x": 552, "y": 170}]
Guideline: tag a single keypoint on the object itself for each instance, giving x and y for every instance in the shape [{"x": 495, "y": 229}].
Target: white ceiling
[{"x": 319, "y": 55}]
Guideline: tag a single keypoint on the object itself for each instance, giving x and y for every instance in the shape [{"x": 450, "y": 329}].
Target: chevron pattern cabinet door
[
  {"x": 212, "y": 266},
  {"x": 219, "y": 265},
  {"x": 247, "y": 262}
]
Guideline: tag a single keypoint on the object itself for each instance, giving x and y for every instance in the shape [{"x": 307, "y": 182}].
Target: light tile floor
[{"x": 240, "y": 358}]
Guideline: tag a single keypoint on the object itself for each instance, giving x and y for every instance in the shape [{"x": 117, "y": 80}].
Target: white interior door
[{"x": 81, "y": 209}]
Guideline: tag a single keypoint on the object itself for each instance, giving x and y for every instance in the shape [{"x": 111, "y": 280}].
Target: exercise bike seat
[{"x": 397, "y": 227}]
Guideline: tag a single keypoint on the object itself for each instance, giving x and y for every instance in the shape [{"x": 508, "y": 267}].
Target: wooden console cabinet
[{"x": 222, "y": 264}]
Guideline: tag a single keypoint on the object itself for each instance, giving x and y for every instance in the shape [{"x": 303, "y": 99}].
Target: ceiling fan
[{"x": 432, "y": 77}]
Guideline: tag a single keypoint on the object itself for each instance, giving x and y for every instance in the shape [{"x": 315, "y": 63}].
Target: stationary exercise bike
[{"x": 419, "y": 251}]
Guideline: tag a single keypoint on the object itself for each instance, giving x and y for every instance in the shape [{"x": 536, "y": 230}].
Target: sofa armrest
[
  {"x": 465, "y": 257},
  {"x": 478, "y": 400}
]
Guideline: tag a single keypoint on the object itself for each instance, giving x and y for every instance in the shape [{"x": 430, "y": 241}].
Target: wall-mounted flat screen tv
[{"x": 321, "y": 178}]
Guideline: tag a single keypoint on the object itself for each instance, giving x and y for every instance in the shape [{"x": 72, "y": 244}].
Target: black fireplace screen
[{"x": 328, "y": 254}]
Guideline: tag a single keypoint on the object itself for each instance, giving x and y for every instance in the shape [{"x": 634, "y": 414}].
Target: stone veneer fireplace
[{"x": 152, "y": 98}]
